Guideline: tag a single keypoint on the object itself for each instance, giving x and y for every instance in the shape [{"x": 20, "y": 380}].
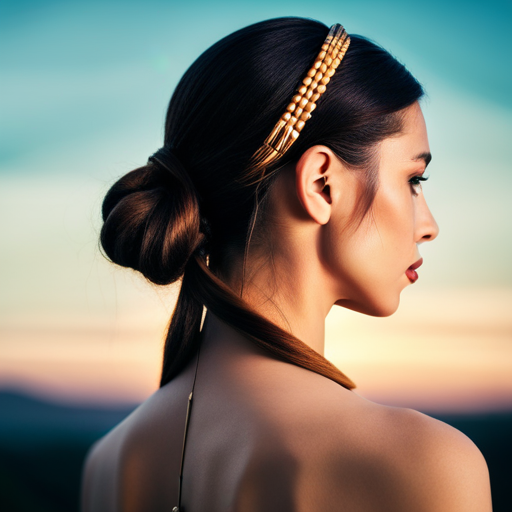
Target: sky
[{"x": 83, "y": 93}]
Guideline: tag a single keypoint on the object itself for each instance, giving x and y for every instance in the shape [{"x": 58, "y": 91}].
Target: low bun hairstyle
[
  {"x": 178, "y": 216},
  {"x": 152, "y": 221}
]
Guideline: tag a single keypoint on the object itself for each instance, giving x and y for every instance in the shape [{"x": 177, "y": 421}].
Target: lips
[{"x": 411, "y": 271}]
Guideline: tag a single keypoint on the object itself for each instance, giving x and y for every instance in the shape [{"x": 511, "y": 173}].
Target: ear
[{"x": 312, "y": 177}]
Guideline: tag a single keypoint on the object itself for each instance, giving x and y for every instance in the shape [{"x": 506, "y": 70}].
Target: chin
[{"x": 376, "y": 307}]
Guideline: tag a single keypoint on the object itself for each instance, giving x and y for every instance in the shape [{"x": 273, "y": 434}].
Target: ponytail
[{"x": 200, "y": 286}]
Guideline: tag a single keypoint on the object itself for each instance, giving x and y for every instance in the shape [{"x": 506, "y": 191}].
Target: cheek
[
  {"x": 370, "y": 264},
  {"x": 390, "y": 230}
]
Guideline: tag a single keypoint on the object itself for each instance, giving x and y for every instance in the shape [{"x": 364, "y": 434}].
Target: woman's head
[
  {"x": 223, "y": 108},
  {"x": 362, "y": 266}
]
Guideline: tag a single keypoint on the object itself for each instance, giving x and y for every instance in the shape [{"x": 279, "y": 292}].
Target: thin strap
[{"x": 189, "y": 407}]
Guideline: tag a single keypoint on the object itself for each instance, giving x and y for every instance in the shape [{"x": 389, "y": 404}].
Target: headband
[{"x": 291, "y": 123}]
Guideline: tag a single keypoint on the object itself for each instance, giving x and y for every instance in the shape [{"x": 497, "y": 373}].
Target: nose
[{"x": 426, "y": 226}]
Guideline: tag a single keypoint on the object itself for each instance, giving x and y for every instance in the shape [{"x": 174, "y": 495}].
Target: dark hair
[{"x": 166, "y": 223}]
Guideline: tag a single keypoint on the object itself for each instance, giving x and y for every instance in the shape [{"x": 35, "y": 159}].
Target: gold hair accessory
[{"x": 291, "y": 123}]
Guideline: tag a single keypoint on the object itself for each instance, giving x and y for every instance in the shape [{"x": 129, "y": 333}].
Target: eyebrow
[{"x": 426, "y": 156}]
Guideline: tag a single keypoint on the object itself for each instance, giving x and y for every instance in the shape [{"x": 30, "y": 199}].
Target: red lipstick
[{"x": 411, "y": 271}]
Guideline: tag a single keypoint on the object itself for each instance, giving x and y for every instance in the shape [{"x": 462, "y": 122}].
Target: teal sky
[
  {"x": 84, "y": 88},
  {"x": 75, "y": 71}
]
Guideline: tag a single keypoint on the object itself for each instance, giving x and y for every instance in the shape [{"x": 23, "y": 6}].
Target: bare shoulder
[
  {"x": 442, "y": 467},
  {"x": 338, "y": 448},
  {"x": 411, "y": 461},
  {"x": 98, "y": 475},
  {"x": 117, "y": 466}
]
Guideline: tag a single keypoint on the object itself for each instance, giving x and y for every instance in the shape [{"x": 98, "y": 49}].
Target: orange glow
[{"x": 442, "y": 350}]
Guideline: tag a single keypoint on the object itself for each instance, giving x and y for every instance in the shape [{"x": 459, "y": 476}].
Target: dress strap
[{"x": 189, "y": 408}]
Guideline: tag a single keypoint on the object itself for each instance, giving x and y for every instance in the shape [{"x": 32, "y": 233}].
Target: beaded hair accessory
[{"x": 291, "y": 123}]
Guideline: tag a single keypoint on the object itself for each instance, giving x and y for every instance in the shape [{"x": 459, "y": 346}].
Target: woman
[{"x": 268, "y": 232}]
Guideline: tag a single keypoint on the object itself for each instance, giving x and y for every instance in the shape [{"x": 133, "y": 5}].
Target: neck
[{"x": 278, "y": 289}]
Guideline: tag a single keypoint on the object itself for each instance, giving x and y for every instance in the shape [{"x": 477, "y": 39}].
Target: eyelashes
[{"x": 415, "y": 181}]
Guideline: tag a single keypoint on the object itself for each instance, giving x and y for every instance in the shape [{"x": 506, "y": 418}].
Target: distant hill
[
  {"x": 43, "y": 445},
  {"x": 42, "y": 449},
  {"x": 28, "y": 419}
]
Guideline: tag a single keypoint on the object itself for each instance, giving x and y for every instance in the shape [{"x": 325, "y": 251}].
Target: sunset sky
[{"x": 84, "y": 89}]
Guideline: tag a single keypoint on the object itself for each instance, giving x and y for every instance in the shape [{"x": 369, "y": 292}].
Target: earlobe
[{"x": 312, "y": 183}]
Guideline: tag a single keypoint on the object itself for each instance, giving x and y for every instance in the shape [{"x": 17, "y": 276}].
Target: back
[{"x": 268, "y": 435}]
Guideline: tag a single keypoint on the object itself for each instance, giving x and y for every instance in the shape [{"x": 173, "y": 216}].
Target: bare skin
[{"x": 267, "y": 435}]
